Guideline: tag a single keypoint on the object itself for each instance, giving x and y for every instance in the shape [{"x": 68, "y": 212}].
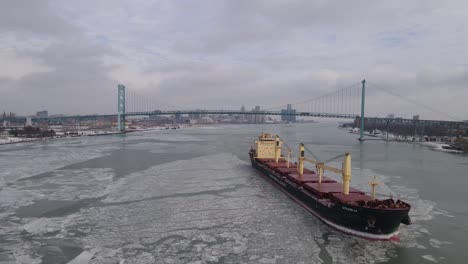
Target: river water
[{"x": 191, "y": 196}]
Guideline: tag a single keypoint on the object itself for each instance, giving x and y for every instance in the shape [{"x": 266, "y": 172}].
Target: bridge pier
[
  {"x": 363, "y": 96},
  {"x": 121, "y": 107},
  {"x": 388, "y": 127}
]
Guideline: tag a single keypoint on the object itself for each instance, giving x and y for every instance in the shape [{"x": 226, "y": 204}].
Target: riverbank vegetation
[{"x": 31, "y": 132}]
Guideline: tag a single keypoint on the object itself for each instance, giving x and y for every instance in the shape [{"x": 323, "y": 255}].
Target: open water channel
[{"x": 191, "y": 196}]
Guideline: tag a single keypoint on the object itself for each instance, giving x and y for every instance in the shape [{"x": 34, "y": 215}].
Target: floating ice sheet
[{"x": 209, "y": 208}]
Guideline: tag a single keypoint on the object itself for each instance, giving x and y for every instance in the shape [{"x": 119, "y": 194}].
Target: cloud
[
  {"x": 20, "y": 66},
  {"x": 35, "y": 17},
  {"x": 223, "y": 54},
  {"x": 63, "y": 74}
]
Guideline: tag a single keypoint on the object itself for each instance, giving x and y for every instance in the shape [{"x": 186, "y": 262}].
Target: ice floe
[
  {"x": 43, "y": 225},
  {"x": 192, "y": 210}
]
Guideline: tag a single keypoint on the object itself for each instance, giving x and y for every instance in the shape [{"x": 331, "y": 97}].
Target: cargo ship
[{"x": 335, "y": 203}]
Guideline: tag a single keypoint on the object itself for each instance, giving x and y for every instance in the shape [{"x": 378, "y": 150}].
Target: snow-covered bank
[
  {"x": 443, "y": 147},
  {"x": 13, "y": 140}
]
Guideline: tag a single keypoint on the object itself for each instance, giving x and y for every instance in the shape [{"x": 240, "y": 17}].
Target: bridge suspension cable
[
  {"x": 342, "y": 101},
  {"x": 136, "y": 102},
  {"x": 414, "y": 102}
]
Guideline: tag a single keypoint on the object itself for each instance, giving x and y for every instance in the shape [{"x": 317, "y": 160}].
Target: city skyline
[{"x": 68, "y": 57}]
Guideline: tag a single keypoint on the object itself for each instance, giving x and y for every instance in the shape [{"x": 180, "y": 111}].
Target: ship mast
[
  {"x": 373, "y": 183},
  {"x": 345, "y": 171},
  {"x": 277, "y": 148},
  {"x": 301, "y": 159}
]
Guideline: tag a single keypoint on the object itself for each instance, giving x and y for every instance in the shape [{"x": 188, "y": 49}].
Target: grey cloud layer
[
  {"x": 76, "y": 81},
  {"x": 32, "y": 17},
  {"x": 228, "y": 53}
]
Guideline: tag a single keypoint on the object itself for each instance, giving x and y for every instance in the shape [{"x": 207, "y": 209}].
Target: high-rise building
[
  {"x": 242, "y": 116},
  {"x": 257, "y": 119},
  {"x": 288, "y": 114},
  {"x": 42, "y": 114},
  {"x": 177, "y": 117}
]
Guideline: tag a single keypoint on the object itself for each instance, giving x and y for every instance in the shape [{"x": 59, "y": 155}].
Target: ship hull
[{"x": 369, "y": 223}]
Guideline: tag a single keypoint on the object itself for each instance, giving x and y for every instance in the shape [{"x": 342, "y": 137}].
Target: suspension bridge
[{"x": 344, "y": 103}]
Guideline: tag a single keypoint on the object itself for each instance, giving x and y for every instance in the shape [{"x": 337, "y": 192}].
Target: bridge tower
[
  {"x": 120, "y": 107},
  {"x": 363, "y": 97}
]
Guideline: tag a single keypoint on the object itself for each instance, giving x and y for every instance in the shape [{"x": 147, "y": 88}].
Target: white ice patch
[
  {"x": 191, "y": 175},
  {"x": 84, "y": 257},
  {"x": 30, "y": 160},
  {"x": 205, "y": 209},
  {"x": 26, "y": 259},
  {"x": 11, "y": 197},
  {"x": 43, "y": 225},
  {"x": 60, "y": 185},
  {"x": 430, "y": 258},
  {"x": 75, "y": 184},
  {"x": 16, "y": 140},
  {"x": 347, "y": 249},
  {"x": 443, "y": 213},
  {"x": 437, "y": 243}
]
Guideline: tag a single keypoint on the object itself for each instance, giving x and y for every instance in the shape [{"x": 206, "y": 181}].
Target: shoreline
[
  {"x": 17, "y": 140},
  {"x": 20, "y": 141},
  {"x": 432, "y": 145}
]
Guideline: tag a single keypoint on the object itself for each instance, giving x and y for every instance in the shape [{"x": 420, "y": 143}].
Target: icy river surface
[{"x": 191, "y": 196}]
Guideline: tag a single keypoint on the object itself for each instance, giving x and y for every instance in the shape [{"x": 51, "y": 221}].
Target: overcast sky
[{"x": 69, "y": 56}]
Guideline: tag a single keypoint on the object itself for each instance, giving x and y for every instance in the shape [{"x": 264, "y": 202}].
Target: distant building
[
  {"x": 416, "y": 117},
  {"x": 28, "y": 121},
  {"x": 257, "y": 119},
  {"x": 288, "y": 114},
  {"x": 42, "y": 114},
  {"x": 206, "y": 120},
  {"x": 391, "y": 116},
  {"x": 177, "y": 117},
  {"x": 242, "y": 116}
]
